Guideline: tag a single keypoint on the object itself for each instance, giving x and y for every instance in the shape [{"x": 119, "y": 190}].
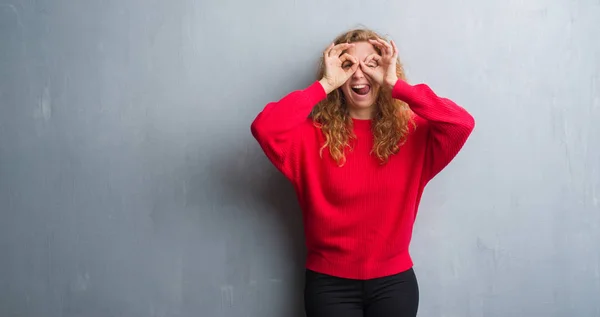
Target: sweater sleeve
[
  {"x": 449, "y": 125},
  {"x": 275, "y": 127}
]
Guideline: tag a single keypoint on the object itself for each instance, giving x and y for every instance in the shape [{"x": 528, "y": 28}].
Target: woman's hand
[
  {"x": 385, "y": 71},
  {"x": 338, "y": 67}
]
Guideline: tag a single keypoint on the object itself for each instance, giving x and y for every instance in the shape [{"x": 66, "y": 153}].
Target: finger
[
  {"x": 348, "y": 57},
  {"x": 388, "y": 47},
  {"x": 327, "y": 50},
  {"x": 376, "y": 57},
  {"x": 353, "y": 68},
  {"x": 385, "y": 45},
  {"x": 376, "y": 43},
  {"x": 380, "y": 45},
  {"x": 338, "y": 49},
  {"x": 375, "y": 74},
  {"x": 366, "y": 69},
  {"x": 394, "y": 49}
]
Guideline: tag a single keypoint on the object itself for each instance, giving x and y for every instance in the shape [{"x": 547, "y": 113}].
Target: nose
[{"x": 358, "y": 74}]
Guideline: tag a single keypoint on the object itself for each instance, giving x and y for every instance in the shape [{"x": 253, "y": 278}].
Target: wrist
[
  {"x": 326, "y": 85},
  {"x": 391, "y": 82}
]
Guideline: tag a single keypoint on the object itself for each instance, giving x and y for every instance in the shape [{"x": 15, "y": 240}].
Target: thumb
[
  {"x": 367, "y": 70},
  {"x": 354, "y": 67}
]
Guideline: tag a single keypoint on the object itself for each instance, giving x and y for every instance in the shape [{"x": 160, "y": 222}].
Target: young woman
[{"x": 359, "y": 145}]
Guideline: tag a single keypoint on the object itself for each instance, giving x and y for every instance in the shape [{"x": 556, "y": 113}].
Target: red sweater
[{"x": 358, "y": 218}]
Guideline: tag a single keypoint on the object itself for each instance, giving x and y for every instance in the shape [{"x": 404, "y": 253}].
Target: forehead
[{"x": 361, "y": 50}]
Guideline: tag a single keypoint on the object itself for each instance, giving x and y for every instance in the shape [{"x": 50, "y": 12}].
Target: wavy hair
[{"x": 390, "y": 124}]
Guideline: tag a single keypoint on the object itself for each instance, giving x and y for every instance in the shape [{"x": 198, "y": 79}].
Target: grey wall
[{"x": 130, "y": 184}]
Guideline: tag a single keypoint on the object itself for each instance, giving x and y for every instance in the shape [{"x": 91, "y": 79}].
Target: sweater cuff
[
  {"x": 315, "y": 93},
  {"x": 403, "y": 91}
]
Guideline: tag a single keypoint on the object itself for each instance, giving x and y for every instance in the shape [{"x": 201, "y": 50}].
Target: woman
[{"x": 359, "y": 145}]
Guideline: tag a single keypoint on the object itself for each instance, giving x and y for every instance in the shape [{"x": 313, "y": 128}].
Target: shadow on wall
[{"x": 246, "y": 178}]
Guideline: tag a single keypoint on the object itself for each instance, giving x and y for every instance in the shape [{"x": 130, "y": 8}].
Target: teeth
[{"x": 359, "y": 86}]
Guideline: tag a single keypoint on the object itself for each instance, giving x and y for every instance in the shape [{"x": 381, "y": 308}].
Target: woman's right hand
[{"x": 338, "y": 67}]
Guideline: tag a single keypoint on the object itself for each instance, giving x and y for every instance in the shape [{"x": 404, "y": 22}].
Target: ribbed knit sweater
[{"x": 358, "y": 218}]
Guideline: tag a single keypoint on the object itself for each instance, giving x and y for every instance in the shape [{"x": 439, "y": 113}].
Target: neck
[{"x": 362, "y": 114}]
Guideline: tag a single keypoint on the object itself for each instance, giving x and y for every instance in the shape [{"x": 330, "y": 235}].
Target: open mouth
[{"x": 361, "y": 89}]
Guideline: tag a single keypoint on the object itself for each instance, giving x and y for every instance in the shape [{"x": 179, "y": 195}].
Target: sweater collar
[{"x": 362, "y": 124}]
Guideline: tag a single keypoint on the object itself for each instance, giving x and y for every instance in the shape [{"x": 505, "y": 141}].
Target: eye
[
  {"x": 372, "y": 63},
  {"x": 347, "y": 64}
]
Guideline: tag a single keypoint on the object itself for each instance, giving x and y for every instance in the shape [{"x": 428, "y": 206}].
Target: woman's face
[{"x": 360, "y": 91}]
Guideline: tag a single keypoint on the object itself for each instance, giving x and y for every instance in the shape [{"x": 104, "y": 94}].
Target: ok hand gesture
[
  {"x": 385, "y": 72},
  {"x": 338, "y": 67}
]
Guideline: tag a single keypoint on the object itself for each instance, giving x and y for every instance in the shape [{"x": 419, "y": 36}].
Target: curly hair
[{"x": 390, "y": 123}]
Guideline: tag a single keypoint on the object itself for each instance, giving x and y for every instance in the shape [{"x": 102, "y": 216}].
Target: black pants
[{"x": 328, "y": 296}]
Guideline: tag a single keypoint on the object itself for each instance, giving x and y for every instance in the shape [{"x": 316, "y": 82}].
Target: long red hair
[{"x": 390, "y": 122}]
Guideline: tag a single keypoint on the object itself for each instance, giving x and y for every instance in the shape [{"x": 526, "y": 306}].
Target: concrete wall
[{"x": 130, "y": 184}]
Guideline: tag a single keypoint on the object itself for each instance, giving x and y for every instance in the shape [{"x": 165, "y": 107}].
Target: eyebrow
[{"x": 363, "y": 59}]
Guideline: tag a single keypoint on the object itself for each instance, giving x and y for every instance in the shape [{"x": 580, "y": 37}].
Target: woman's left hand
[{"x": 385, "y": 71}]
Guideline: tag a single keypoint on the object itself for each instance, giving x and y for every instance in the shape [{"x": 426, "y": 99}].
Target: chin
[{"x": 362, "y": 105}]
